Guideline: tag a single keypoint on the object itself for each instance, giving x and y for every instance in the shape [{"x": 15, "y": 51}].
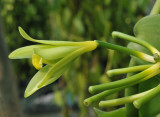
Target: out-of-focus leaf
[
  {"x": 67, "y": 16},
  {"x": 58, "y": 98},
  {"x": 116, "y": 113},
  {"x": 78, "y": 25}
]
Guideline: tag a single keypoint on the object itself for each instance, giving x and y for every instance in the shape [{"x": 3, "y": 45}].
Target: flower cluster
[{"x": 51, "y": 58}]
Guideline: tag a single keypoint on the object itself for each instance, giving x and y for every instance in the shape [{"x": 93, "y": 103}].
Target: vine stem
[
  {"x": 131, "y": 111},
  {"x": 139, "y": 102},
  {"x": 126, "y": 50},
  {"x": 103, "y": 94},
  {"x": 116, "y": 34},
  {"x": 124, "y": 100},
  {"x": 126, "y": 81},
  {"x": 114, "y": 72}
]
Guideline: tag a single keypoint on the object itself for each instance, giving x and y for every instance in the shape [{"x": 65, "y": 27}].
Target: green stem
[
  {"x": 114, "y": 72},
  {"x": 126, "y": 81},
  {"x": 131, "y": 111},
  {"x": 138, "y": 54},
  {"x": 104, "y": 94},
  {"x": 139, "y": 102},
  {"x": 100, "y": 96},
  {"x": 116, "y": 34},
  {"x": 124, "y": 100},
  {"x": 156, "y": 8}
]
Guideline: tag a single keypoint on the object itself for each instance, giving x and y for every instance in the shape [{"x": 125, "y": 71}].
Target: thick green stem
[
  {"x": 121, "y": 101},
  {"x": 100, "y": 96},
  {"x": 126, "y": 81},
  {"x": 131, "y": 111},
  {"x": 114, "y": 72},
  {"x": 156, "y": 8},
  {"x": 116, "y": 34},
  {"x": 136, "y": 53},
  {"x": 139, "y": 102}
]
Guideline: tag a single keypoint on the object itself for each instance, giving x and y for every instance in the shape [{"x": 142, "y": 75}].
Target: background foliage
[{"x": 74, "y": 20}]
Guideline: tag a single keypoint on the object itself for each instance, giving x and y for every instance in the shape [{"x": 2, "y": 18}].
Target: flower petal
[
  {"x": 49, "y": 74},
  {"x": 56, "y": 52},
  {"x": 39, "y": 76},
  {"x": 50, "y": 42},
  {"x": 25, "y": 52},
  {"x": 62, "y": 63},
  {"x": 37, "y": 61}
]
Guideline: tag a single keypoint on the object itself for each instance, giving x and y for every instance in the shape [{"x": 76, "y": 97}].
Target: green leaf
[
  {"x": 121, "y": 112},
  {"x": 26, "y": 52},
  {"x": 148, "y": 29},
  {"x": 152, "y": 107},
  {"x": 56, "y": 52}
]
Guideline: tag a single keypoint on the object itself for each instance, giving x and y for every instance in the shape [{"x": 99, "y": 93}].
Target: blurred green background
[{"x": 73, "y": 20}]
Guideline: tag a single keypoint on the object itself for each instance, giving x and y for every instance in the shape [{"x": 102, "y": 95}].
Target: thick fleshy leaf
[
  {"x": 148, "y": 29},
  {"x": 116, "y": 113},
  {"x": 26, "y": 52},
  {"x": 33, "y": 85},
  {"x": 56, "y": 52},
  {"x": 152, "y": 107},
  {"x": 50, "y": 42}
]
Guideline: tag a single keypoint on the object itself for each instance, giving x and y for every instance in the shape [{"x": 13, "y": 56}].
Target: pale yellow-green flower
[{"x": 57, "y": 55}]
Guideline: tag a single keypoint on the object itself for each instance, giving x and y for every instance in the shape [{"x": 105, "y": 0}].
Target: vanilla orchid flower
[{"x": 57, "y": 55}]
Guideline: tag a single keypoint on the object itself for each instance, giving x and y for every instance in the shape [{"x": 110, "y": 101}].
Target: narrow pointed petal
[
  {"x": 33, "y": 84},
  {"x": 50, "y": 42},
  {"x": 56, "y": 52},
  {"x": 39, "y": 76},
  {"x": 25, "y": 52}
]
